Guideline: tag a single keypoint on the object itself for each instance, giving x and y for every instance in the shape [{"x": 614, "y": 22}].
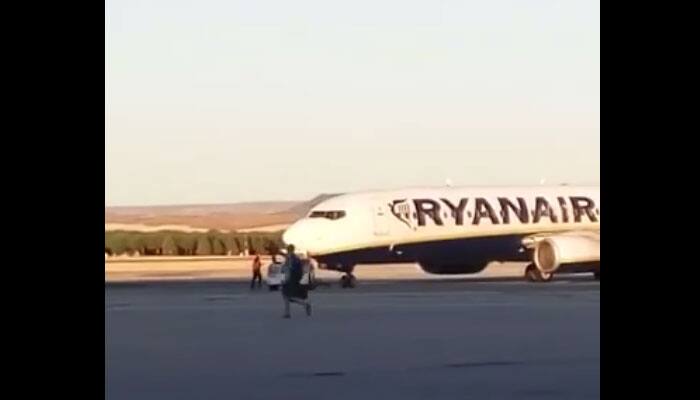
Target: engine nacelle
[
  {"x": 451, "y": 269},
  {"x": 554, "y": 252}
]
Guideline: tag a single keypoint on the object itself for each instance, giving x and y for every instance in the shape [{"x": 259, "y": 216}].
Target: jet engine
[{"x": 567, "y": 251}]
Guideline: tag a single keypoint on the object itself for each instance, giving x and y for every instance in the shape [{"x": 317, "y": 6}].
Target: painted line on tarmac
[{"x": 371, "y": 306}]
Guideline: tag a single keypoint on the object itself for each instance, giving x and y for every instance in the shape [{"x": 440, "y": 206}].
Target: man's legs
[
  {"x": 286, "y": 306},
  {"x": 306, "y": 304},
  {"x": 257, "y": 276}
]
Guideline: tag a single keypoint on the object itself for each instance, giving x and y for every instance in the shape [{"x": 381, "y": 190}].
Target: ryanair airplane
[{"x": 455, "y": 230}]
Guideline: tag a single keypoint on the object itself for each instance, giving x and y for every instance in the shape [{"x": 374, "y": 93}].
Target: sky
[{"x": 219, "y": 101}]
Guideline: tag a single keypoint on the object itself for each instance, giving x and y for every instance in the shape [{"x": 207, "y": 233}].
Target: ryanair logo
[
  {"x": 401, "y": 209},
  {"x": 566, "y": 210}
]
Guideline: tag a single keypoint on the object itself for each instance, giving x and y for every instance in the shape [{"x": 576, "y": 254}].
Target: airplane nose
[
  {"x": 291, "y": 235},
  {"x": 301, "y": 235}
]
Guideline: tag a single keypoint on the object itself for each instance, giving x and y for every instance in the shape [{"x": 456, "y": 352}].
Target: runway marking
[
  {"x": 408, "y": 294},
  {"x": 225, "y": 297},
  {"x": 321, "y": 307},
  {"x": 531, "y": 362},
  {"x": 322, "y": 374},
  {"x": 453, "y": 365},
  {"x": 334, "y": 373},
  {"x": 484, "y": 364},
  {"x": 539, "y": 393},
  {"x": 117, "y": 306}
]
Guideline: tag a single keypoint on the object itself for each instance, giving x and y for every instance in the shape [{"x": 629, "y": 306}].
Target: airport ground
[
  {"x": 234, "y": 268},
  {"x": 491, "y": 336}
]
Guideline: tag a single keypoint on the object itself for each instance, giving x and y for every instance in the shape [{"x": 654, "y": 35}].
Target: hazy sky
[{"x": 221, "y": 101}]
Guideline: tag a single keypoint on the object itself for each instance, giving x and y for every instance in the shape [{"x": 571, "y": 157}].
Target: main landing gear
[
  {"x": 348, "y": 280},
  {"x": 533, "y": 274}
]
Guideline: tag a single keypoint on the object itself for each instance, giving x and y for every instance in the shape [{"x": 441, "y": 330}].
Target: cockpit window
[{"x": 332, "y": 215}]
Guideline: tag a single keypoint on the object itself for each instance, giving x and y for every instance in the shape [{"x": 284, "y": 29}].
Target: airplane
[{"x": 455, "y": 230}]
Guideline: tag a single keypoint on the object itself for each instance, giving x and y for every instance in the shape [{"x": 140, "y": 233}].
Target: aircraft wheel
[
  {"x": 533, "y": 274},
  {"x": 348, "y": 281}
]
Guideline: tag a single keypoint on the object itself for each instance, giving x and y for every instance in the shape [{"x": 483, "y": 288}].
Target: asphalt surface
[{"x": 464, "y": 339}]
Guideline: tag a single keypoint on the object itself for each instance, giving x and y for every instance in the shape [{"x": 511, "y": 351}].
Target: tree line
[{"x": 175, "y": 243}]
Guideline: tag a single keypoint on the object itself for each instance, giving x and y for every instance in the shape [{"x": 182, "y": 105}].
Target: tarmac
[{"x": 472, "y": 338}]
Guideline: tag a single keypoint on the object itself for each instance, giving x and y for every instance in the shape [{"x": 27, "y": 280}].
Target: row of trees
[{"x": 185, "y": 243}]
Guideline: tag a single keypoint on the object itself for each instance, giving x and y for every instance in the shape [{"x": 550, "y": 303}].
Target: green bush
[
  {"x": 218, "y": 247},
  {"x": 168, "y": 247},
  {"x": 232, "y": 244},
  {"x": 186, "y": 243},
  {"x": 203, "y": 247},
  {"x": 272, "y": 246},
  {"x": 116, "y": 242}
]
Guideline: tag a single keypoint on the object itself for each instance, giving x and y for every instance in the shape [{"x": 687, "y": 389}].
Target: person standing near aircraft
[
  {"x": 292, "y": 290},
  {"x": 257, "y": 275}
]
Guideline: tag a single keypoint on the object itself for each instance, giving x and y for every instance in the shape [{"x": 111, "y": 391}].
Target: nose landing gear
[{"x": 348, "y": 280}]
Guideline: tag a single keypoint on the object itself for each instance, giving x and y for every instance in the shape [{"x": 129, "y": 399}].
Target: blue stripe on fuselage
[{"x": 471, "y": 250}]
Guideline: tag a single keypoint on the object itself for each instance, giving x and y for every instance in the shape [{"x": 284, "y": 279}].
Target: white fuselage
[{"x": 444, "y": 225}]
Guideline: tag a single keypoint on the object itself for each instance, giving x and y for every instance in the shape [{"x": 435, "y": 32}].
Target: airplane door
[{"x": 381, "y": 223}]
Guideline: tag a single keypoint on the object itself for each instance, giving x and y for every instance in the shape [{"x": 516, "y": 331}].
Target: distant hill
[
  {"x": 266, "y": 215},
  {"x": 263, "y": 207}
]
